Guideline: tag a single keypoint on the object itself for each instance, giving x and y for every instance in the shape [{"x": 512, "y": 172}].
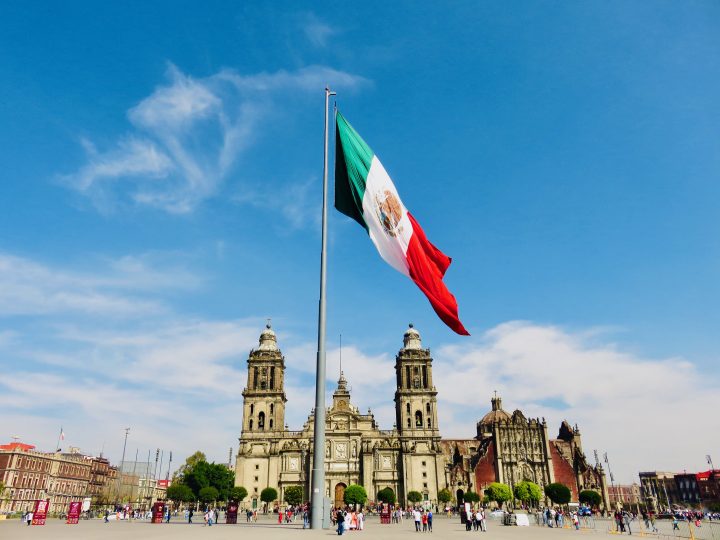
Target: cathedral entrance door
[{"x": 340, "y": 495}]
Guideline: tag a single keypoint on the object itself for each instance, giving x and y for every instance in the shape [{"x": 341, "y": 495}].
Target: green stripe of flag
[{"x": 353, "y": 158}]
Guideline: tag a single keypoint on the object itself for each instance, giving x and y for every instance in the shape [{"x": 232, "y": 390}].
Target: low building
[
  {"x": 659, "y": 490},
  {"x": 628, "y": 496},
  {"x": 62, "y": 477}
]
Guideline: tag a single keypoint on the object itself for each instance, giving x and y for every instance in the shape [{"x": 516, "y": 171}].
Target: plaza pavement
[{"x": 267, "y": 528}]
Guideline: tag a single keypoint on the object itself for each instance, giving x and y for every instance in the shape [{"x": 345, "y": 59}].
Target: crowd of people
[{"x": 347, "y": 519}]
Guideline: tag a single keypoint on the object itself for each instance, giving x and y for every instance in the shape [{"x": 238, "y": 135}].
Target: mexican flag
[{"x": 365, "y": 192}]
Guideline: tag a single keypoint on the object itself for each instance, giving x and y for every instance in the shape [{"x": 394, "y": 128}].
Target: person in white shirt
[{"x": 418, "y": 519}]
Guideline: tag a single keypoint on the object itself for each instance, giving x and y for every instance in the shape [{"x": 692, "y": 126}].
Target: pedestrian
[
  {"x": 340, "y": 519},
  {"x": 483, "y": 520},
  {"x": 107, "y": 516},
  {"x": 306, "y": 518},
  {"x": 429, "y": 520},
  {"x": 417, "y": 519},
  {"x": 29, "y": 518},
  {"x": 423, "y": 518},
  {"x": 190, "y": 515},
  {"x": 361, "y": 520}
]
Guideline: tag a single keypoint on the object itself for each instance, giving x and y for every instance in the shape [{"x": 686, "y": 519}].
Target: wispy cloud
[
  {"x": 188, "y": 134},
  {"x": 316, "y": 31},
  {"x": 28, "y": 287}
]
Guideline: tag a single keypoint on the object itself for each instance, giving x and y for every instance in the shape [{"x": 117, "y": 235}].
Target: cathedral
[{"x": 410, "y": 457}]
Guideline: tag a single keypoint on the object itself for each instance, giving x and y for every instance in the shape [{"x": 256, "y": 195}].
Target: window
[
  {"x": 429, "y": 423},
  {"x": 408, "y": 422},
  {"x": 427, "y": 409},
  {"x": 407, "y": 376},
  {"x": 250, "y": 425},
  {"x": 261, "y": 421},
  {"x": 425, "y": 484},
  {"x": 257, "y": 467},
  {"x": 252, "y": 409},
  {"x": 271, "y": 423},
  {"x": 418, "y": 419},
  {"x": 255, "y": 490},
  {"x": 407, "y": 408},
  {"x": 272, "y": 407},
  {"x": 424, "y": 475},
  {"x": 272, "y": 379},
  {"x": 256, "y": 478},
  {"x": 423, "y": 463}
]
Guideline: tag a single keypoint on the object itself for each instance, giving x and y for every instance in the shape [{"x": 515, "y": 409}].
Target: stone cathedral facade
[{"x": 410, "y": 457}]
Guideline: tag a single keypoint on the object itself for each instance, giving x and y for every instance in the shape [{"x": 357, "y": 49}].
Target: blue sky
[{"x": 160, "y": 198}]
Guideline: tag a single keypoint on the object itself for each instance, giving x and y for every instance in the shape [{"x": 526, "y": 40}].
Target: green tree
[
  {"x": 528, "y": 492},
  {"x": 268, "y": 495},
  {"x": 203, "y": 474},
  {"x": 237, "y": 493},
  {"x": 444, "y": 496},
  {"x": 471, "y": 497},
  {"x": 208, "y": 494},
  {"x": 590, "y": 497},
  {"x": 179, "y": 492},
  {"x": 414, "y": 497},
  {"x": 355, "y": 494},
  {"x": 558, "y": 493},
  {"x": 190, "y": 462},
  {"x": 294, "y": 495},
  {"x": 386, "y": 495},
  {"x": 500, "y": 493}
]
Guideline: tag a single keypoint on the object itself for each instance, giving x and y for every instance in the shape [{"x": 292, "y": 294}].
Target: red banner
[
  {"x": 74, "y": 513},
  {"x": 231, "y": 512},
  {"x": 40, "y": 511},
  {"x": 158, "y": 511}
]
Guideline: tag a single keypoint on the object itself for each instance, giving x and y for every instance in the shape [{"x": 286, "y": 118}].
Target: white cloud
[
  {"x": 316, "y": 31},
  {"x": 189, "y": 133}
]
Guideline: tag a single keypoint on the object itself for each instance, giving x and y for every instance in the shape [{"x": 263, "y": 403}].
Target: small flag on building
[{"x": 365, "y": 192}]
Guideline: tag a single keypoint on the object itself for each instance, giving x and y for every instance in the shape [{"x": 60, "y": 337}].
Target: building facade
[
  {"x": 410, "y": 457},
  {"x": 62, "y": 477}
]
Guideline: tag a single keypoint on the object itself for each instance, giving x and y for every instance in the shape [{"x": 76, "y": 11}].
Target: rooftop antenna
[
  {"x": 268, "y": 321},
  {"x": 340, "y": 354}
]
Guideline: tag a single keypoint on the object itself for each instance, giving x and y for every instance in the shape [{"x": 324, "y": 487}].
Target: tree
[
  {"x": 208, "y": 494},
  {"x": 590, "y": 497},
  {"x": 414, "y": 497},
  {"x": 268, "y": 495},
  {"x": 355, "y": 494},
  {"x": 179, "y": 492},
  {"x": 471, "y": 497},
  {"x": 203, "y": 474},
  {"x": 294, "y": 495},
  {"x": 386, "y": 495},
  {"x": 190, "y": 462},
  {"x": 558, "y": 493},
  {"x": 444, "y": 496},
  {"x": 237, "y": 493},
  {"x": 500, "y": 493},
  {"x": 528, "y": 492}
]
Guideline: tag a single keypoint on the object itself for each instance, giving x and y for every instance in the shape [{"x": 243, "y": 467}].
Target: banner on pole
[
  {"x": 40, "y": 511},
  {"x": 74, "y": 513},
  {"x": 232, "y": 512}
]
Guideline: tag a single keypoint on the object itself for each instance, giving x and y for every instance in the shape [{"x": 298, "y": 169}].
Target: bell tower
[
  {"x": 416, "y": 396},
  {"x": 264, "y": 395}
]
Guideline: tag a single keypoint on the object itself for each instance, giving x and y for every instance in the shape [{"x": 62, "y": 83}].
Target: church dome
[
  {"x": 411, "y": 338},
  {"x": 268, "y": 339},
  {"x": 497, "y": 414}
]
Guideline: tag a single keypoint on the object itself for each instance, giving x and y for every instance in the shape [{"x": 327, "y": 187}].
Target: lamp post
[{"x": 122, "y": 462}]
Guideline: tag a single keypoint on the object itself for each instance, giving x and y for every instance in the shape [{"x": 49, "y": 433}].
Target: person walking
[
  {"x": 361, "y": 520},
  {"x": 423, "y": 519},
  {"x": 107, "y": 516},
  {"x": 429, "y": 520},
  {"x": 190, "y": 515},
  {"x": 417, "y": 518}
]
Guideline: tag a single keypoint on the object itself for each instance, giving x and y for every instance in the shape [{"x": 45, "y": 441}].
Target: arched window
[
  {"x": 407, "y": 408},
  {"x": 429, "y": 423},
  {"x": 261, "y": 421},
  {"x": 271, "y": 409},
  {"x": 418, "y": 419},
  {"x": 271, "y": 423},
  {"x": 408, "y": 422},
  {"x": 255, "y": 377},
  {"x": 272, "y": 378},
  {"x": 427, "y": 409},
  {"x": 252, "y": 409}
]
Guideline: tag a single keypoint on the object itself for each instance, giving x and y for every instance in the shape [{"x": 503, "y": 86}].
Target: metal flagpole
[{"x": 318, "y": 470}]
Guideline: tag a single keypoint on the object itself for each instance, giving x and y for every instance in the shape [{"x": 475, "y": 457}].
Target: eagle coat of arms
[{"x": 389, "y": 211}]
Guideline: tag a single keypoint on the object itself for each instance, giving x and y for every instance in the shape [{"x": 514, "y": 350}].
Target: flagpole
[
  {"x": 57, "y": 446},
  {"x": 318, "y": 470}
]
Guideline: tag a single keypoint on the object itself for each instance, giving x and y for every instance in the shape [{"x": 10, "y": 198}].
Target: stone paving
[{"x": 267, "y": 528}]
